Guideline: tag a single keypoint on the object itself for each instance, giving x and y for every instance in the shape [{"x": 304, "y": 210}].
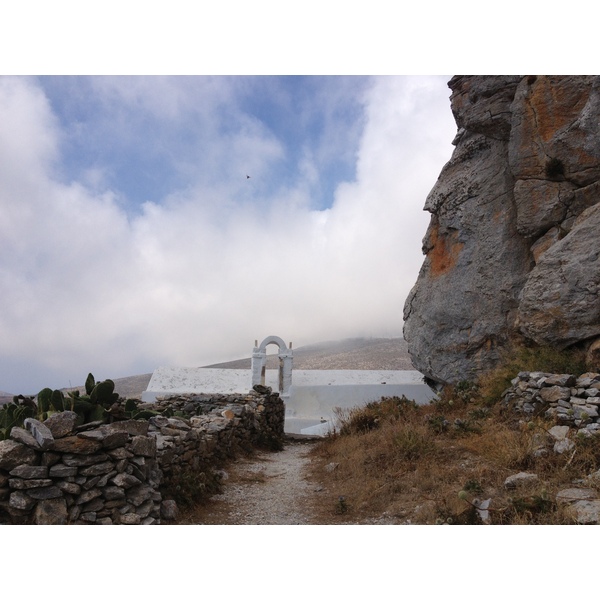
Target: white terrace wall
[{"x": 118, "y": 473}]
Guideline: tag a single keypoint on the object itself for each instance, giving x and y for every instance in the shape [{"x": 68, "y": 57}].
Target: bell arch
[{"x": 259, "y": 363}]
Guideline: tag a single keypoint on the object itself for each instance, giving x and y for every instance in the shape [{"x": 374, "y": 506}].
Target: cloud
[{"x": 196, "y": 276}]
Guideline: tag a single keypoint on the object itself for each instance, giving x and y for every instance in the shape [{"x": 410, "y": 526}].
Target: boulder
[{"x": 511, "y": 251}]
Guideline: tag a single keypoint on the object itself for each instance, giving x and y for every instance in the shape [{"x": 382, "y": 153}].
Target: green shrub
[{"x": 366, "y": 418}]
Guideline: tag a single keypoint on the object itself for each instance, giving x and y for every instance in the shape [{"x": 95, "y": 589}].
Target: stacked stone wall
[
  {"x": 53, "y": 472},
  {"x": 570, "y": 400}
]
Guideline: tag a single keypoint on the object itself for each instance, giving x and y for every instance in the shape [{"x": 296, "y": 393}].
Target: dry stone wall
[
  {"x": 569, "y": 400},
  {"x": 52, "y": 472}
]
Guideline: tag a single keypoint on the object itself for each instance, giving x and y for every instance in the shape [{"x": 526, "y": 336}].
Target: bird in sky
[{"x": 247, "y": 176}]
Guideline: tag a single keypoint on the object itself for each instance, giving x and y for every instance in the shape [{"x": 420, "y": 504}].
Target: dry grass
[{"x": 431, "y": 464}]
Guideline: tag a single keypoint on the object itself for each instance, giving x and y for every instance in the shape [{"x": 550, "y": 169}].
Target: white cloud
[{"x": 196, "y": 278}]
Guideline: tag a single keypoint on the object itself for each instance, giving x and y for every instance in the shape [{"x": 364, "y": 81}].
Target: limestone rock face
[{"x": 512, "y": 246}]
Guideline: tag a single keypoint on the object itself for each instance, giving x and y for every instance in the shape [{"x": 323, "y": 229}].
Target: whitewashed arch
[{"x": 259, "y": 363}]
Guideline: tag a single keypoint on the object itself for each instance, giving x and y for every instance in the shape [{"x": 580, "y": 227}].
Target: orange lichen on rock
[
  {"x": 555, "y": 103},
  {"x": 445, "y": 249}
]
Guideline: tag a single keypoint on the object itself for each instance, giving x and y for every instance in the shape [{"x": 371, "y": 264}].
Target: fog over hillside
[{"x": 354, "y": 354}]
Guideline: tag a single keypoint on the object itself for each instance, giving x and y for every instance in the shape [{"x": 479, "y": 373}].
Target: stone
[
  {"x": 24, "y": 437},
  {"x": 585, "y": 512},
  {"x": 76, "y": 445},
  {"x": 90, "y": 482},
  {"x": 563, "y": 446},
  {"x": 177, "y": 423},
  {"x": 555, "y": 393},
  {"x": 143, "y": 446},
  {"x": 83, "y": 460},
  {"x": 559, "y": 432},
  {"x": 159, "y": 421},
  {"x": 95, "y": 505},
  {"x": 50, "y": 458},
  {"x": 61, "y": 424},
  {"x": 169, "y": 510},
  {"x": 144, "y": 509},
  {"x": 28, "y": 484},
  {"x": 45, "y": 493},
  {"x": 262, "y": 389},
  {"x": 115, "y": 439},
  {"x": 88, "y": 496},
  {"x": 60, "y": 470},
  {"x": 68, "y": 487},
  {"x": 130, "y": 519},
  {"x": 138, "y": 494},
  {"x": 119, "y": 453},
  {"x": 585, "y": 412},
  {"x": 112, "y": 492},
  {"x": 564, "y": 381},
  {"x": 13, "y": 454},
  {"x": 51, "y": 512},
  {"x": 575, "y": 494},
  {"x": 132, "y": 427},
  {"x": 40, "y": 432},
  {"x": 21, "y": 501},
  {"x": 88, "y": 517},
  {"x": 97, "y": 469},
  {"x": 520, "y": 479},
  {"x": 74, "y": 512},
  {"x": 30, "y": 472},
  {"x": 93, "y": 434},
  {"x": 124, "y": 480}
]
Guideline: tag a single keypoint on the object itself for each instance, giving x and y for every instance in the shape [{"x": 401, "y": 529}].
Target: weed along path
[{"x": 267, "y": 488}]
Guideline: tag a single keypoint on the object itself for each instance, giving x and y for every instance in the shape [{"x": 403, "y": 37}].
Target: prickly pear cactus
[
  {"x": 13, "y": 415},
  {"x": 90, "y": 382}
]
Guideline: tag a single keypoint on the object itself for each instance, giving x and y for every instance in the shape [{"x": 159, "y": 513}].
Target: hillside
[{"x": 369, "y": 354}]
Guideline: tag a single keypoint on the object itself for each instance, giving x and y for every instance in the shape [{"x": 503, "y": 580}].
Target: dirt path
[{"x": 268, "y": 488}]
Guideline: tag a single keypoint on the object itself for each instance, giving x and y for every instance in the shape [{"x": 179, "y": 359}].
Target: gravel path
[{"x": 266, "y": 489}]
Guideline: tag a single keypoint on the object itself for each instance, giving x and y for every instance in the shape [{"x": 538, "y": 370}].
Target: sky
[
  {"x": 177, "y": 183},
  {"x": 173, "y": 220}
]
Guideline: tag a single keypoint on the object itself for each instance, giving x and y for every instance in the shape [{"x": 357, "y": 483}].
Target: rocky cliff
[{"x": 511, "y": 252}]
